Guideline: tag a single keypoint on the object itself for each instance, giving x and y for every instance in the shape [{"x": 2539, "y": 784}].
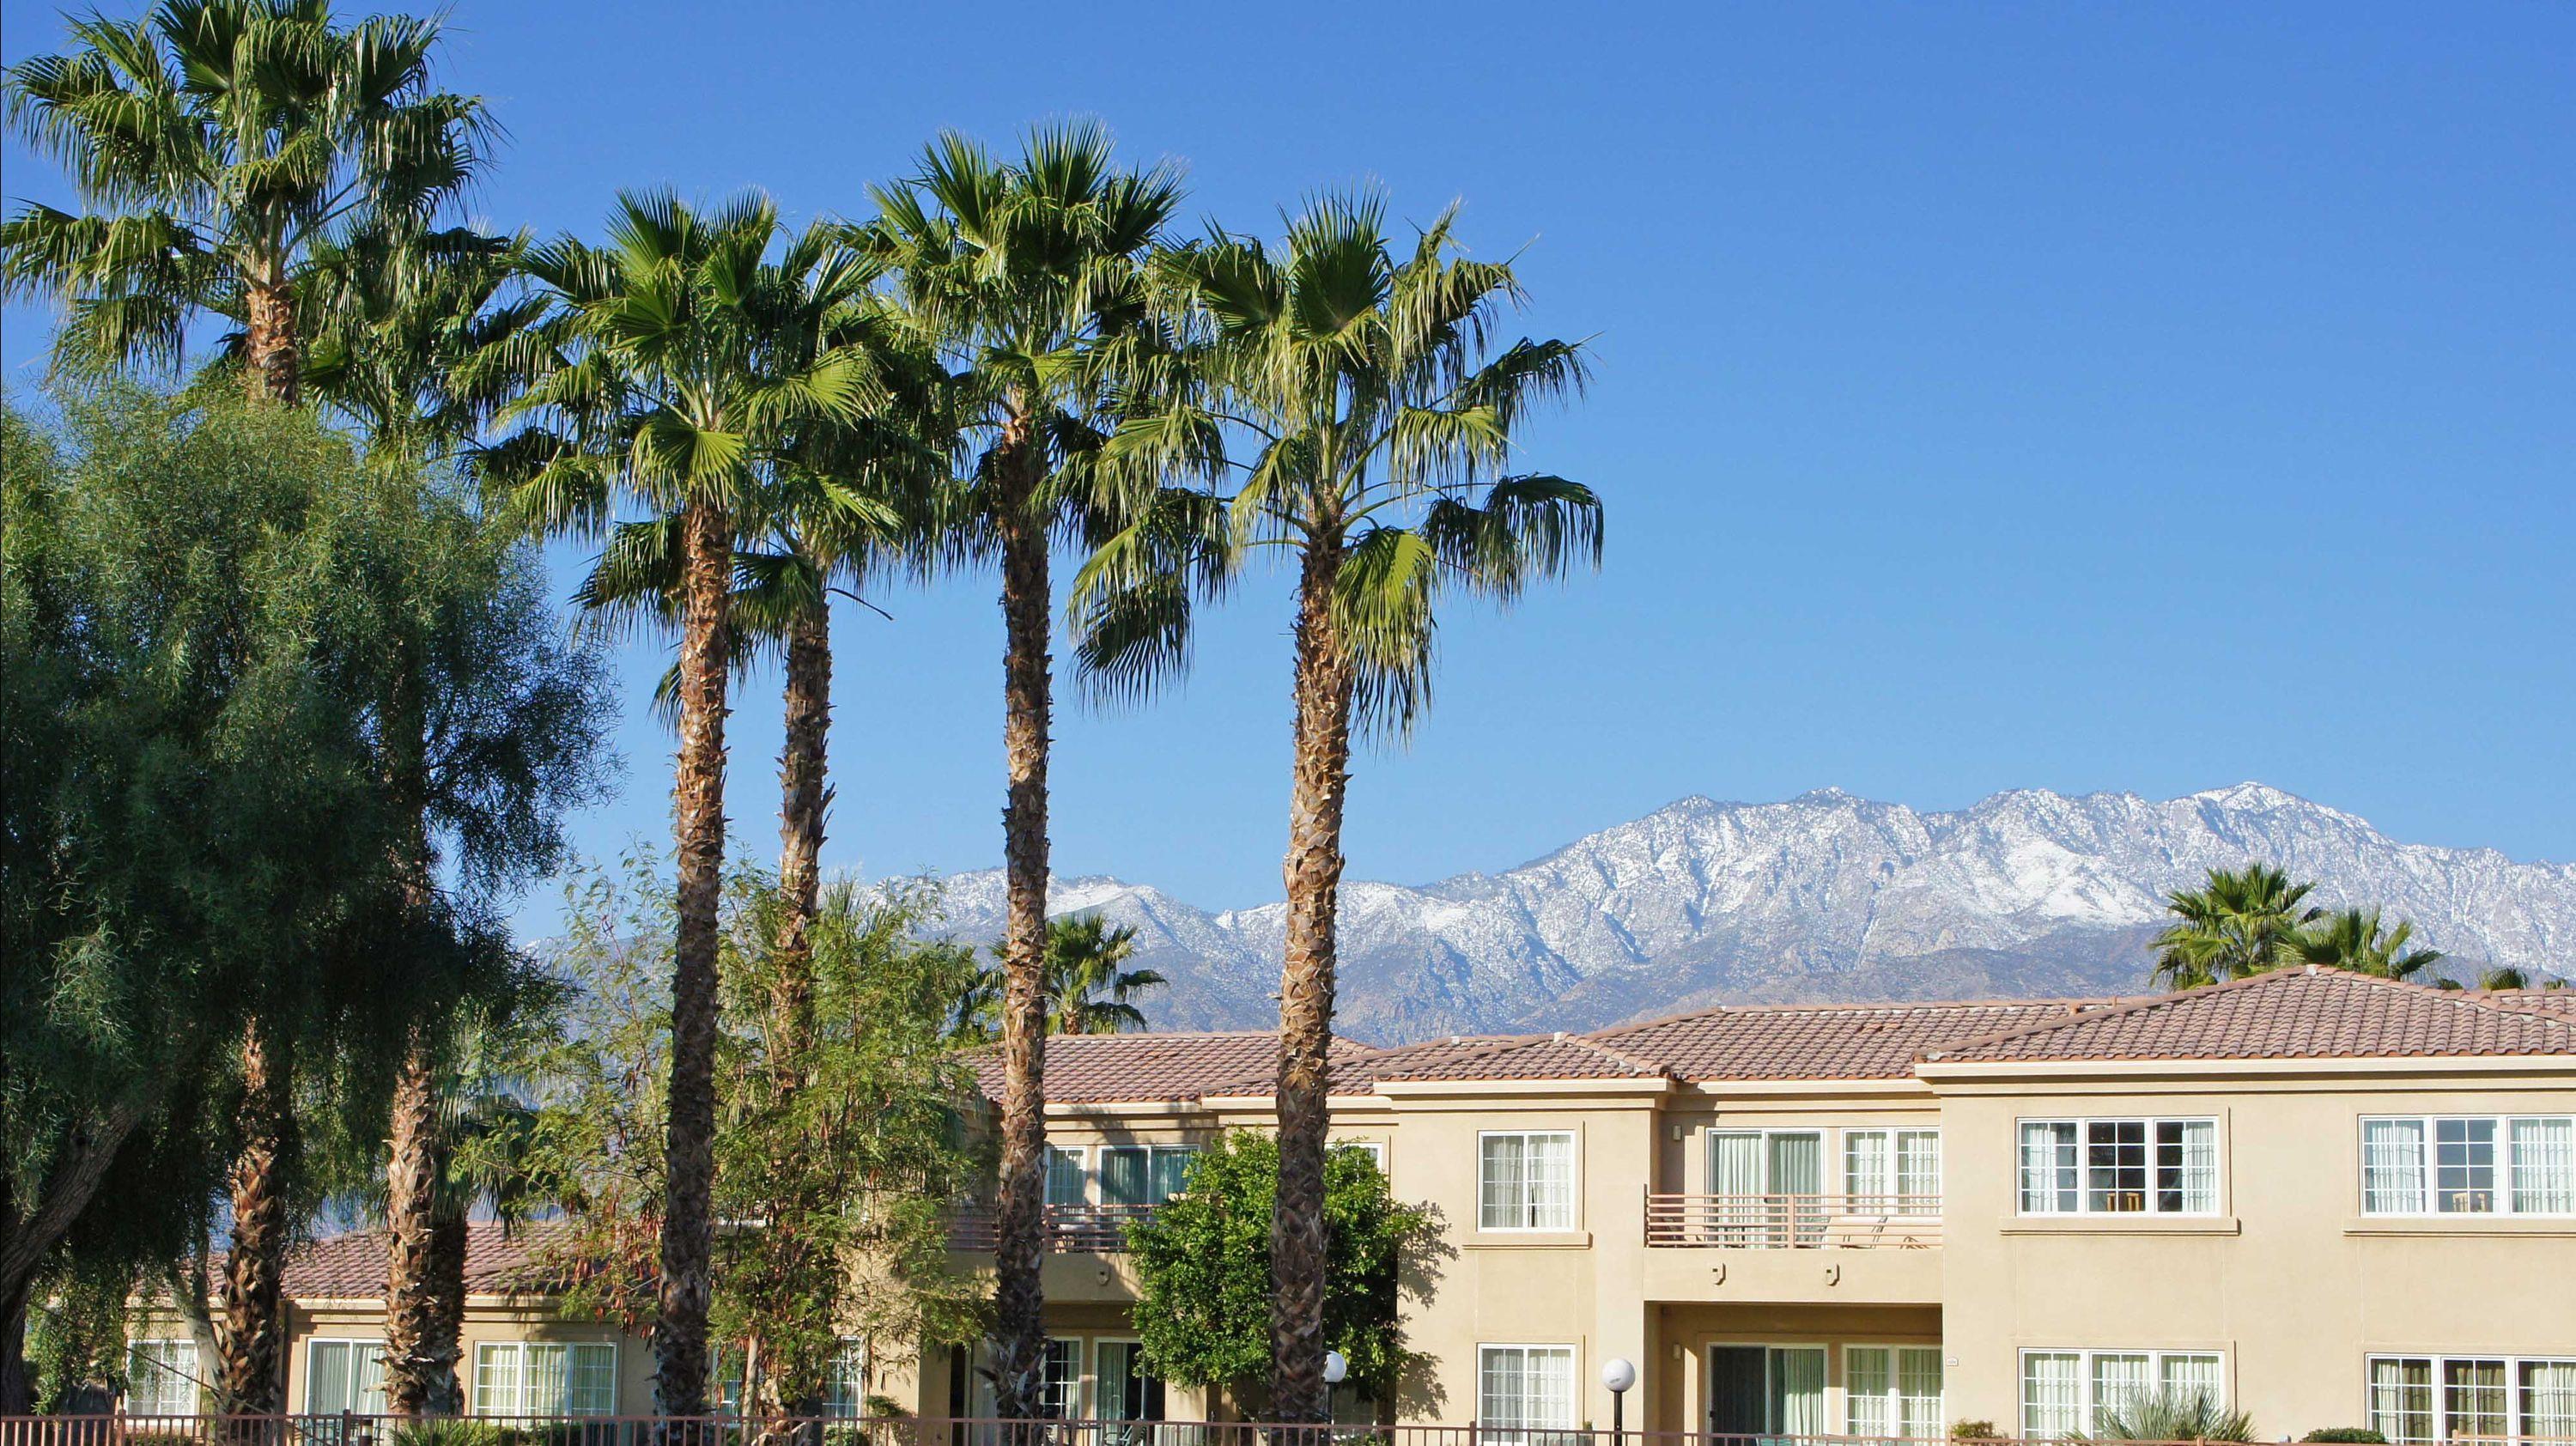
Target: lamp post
[
  {"x": 1618, "y": 1373},
  {"x": 1336, "y": 1366}
]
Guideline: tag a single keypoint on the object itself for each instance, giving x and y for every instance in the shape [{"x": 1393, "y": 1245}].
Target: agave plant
[{"x": 2172, "y": 1414}]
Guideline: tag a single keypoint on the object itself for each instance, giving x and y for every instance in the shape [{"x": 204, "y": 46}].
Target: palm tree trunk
[
  {"x": 688, "y": 1232},
  {"x": 1314, "y": 876},
  {"x": 420, "y": 1360},
  {"x": 275, "y": 370},
  {"x": 803, "y": 796},
  {"x": 251, "y": 1376},
  {"x": 1019, "y": 1225}
]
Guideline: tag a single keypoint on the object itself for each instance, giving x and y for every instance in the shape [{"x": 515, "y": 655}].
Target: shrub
[
  {"x": 2171, "y": 1415},
  {"x": 2362, "y": 1434},
  {"x": 1974, "y": 1431}
]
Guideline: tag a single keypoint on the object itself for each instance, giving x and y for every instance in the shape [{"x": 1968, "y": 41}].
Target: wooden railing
[
  {"x": 1093, "y": 1229},
  {"x": 1794, "y": 1222}
]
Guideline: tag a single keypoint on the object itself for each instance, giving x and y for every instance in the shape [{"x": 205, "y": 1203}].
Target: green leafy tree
[
  {"x": 679, "y": 368},
  {"x": 1203, "y": 1269},
  {"x": 2354, "y": 940},
  {"x": 1338, "y": 397},
  {"x": 1089, "y": 988},
  {"x": 1022, "y": 274},
  {"x": 217, "y": 147},
  {"x": 2239, "y": 923}
]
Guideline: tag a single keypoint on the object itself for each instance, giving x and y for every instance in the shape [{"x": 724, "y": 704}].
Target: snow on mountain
[{"x": 1823, "y": 897}]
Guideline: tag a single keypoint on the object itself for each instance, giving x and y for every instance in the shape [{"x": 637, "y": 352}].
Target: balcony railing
[
  {"x": 1091, "y": 1229},
  {"x": 1794, "y": 1222}
]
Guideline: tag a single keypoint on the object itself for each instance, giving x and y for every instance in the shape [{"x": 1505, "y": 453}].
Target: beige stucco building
[{"x": 2329, "y": 1199}]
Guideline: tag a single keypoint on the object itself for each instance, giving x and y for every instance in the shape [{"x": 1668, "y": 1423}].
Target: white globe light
[
  {"x": 1618, "y": 1373},
  {"x": 1335, "y": 1367}
]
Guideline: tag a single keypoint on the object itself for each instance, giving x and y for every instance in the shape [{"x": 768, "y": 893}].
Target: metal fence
[
  {"x": 1799, "y": 1222},
  {"x": 1093, "y": 1228}
]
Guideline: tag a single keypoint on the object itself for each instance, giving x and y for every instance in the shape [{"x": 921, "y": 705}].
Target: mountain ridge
[{"x": 1824, "y": 897}]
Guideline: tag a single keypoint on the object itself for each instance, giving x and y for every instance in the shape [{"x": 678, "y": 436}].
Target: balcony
[
  {"x": 1794, "y": 1222},
  {"x": 1070, "y": 1229}
]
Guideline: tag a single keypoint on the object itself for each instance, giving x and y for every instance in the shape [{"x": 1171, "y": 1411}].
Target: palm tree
[
  {"x": 2352, "y": 939},
  {"x": 1089, "y": 989},
  {"x": 217, "y": 145},
  {"x": 1376, "y": 426},
  {"x": 2235, "y": 925},
  {"x": 1021, "y": 272},
  {"x": 399, "y": 322},
  {"x": 680, "y": 367}
]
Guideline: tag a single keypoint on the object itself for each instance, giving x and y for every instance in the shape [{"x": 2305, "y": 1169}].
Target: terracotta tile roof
[
  {"x": 351, "y": 1265},
  {"x": 2306, "y": 1013},
  {"x": 2548, "y": 1001},
  {"x": 1836, "y": 1041},
  {"x": 1539, "y": 1056},
  {"x": 1152, "y": 1068}
]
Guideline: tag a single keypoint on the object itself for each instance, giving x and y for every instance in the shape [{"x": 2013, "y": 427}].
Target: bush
[
  {"x": 2169, "y": 1415},
  {"x": 1974, "y": 1431},
  {"x": 2361, "y": 1434}
]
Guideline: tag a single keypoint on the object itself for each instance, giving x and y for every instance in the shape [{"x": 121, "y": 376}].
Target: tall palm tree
[
  {"x": 678, "y": 368},
  {"x": 1339, "y": 396},
  {"x": 2238, "y": 923},
  {"x": 1022, "y": 274},
  {"x": 2352, "y": 939},
  {"x": 216, "y": 145}
]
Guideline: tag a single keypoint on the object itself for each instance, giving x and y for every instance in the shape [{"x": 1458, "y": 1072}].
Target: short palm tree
[
  {"x": 218, "y": 147},
  {"x": 679, "y": 368},
  {"x": 1021, "y": 272},
  {"x": 2352, "y": 939},
  {"x": 2237, "y": 924},
  {"x": 1089, "y": 988},
  {"x": 1338, "y": 396}
]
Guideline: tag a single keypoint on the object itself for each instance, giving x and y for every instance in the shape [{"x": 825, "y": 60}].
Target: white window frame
[
  {"x": 191, "y": 1376},
  {"x": 2085, "y": 1356},
  {"x": 1907, "y": 1203},
  {"x": 1830, "y": 1386},
  {"x": 1830, "y": 1161},
  {"x": 474, "y": 1385},
  {"x": 1087, "y": 1179},
  {"x": 2427, "y": 1187},
  {"x": 1895, "y": 1396},
  {"x": 1077, "y": 1386},
  {"x": 1521, "y": 1431},
  {"x": 355, "y": 1396},
  {"x": 1153, "y": 1153},
  {"x": 2084, "y": 1168},
  {"x": 1376, "y": 1151},
  {"x": 2516, "y": 1406},
  {"x": 1573, "y": 1185},
  {"x": 851, "y": 1354}
]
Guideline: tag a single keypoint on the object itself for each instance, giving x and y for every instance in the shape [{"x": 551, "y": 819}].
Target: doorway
[{"x": 1766, "y": 1390}]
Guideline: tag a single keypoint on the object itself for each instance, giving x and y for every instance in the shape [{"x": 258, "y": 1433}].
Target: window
[
  {"x": 1063, "y": 1377},
  {"x": 845, "y": 1389},
  {"x": 2469, "y": 1165},
  {"x": 1769, "y": 1186},
  {"x": 1519, "y": 1387},
  {"x": 2119, "y": 1167},
  {"x": 161, "y": 1378},
  {"x": 1135, "y": 1175},
  {"x": 2424, "y": 1399},
  {"x": 1525, "y": 1181},
  {"x": 1067, "y": 1177},
  {"x": 345, "y": 1376},
  {"x": 1374, "y": 1149},
  {"x": 1893, "y": 1391},
  {"x": 1894, "y": 1170},
  {"x": 1125, "y": 1390},
  {"x": 545, "y": 1378},
  {"x": 2064, "y": 1393}
]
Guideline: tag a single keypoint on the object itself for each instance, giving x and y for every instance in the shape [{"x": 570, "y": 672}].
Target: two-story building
[{"x": 2330, "y": 1199}]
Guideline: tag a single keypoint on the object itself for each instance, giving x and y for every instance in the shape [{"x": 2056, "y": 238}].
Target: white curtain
[
  {"x": 2052, "y": 1394},
  {"x": 1918, "y": 1172},
  {"x": 1869, "y": 1391},
  {"x": 1735, "y": 1176},
  {"x": 2047, "y": 1167},
  {"x": 2549, "y": 1400},
  {"x": 2392, "y": 1168},
  {"x": 1869, "y": 1174},
  {"x": 1918, "y": 1393},
  {"x": 2544, "y": 1166},
  {"x": 2401, "y": 1399},
  {"x": 1798, "y": 1390}
]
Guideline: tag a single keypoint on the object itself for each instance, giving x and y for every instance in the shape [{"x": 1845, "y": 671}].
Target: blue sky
[{"x": 2063, "y": 396}]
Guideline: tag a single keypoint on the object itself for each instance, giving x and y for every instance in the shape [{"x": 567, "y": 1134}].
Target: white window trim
[
  {"x": 1095, "y": 1186},
  {"x": 1078, "y": 1387},
  {"x": 2084, "y": 1166},
  {"x": 1573, "y": 1184},
  {"x": 311, "y": 1341},
  {"x": 843, "y": 1346},
  {"x": 2428, "y": 1181},
  {"x": 616, "y": 1379},
  {"x": 1574, "y": 1381},
  {"x": 1829, "y": 1153},
  {"x": 2513, "y": 1402},
  {"x": 1842, "y": 1160},
  {"x": 1895, "y": 1379},
  {"x": 195, "y": 1373},
  {"x": 1376, "y": 1150},
  {"x": 1081, "y": 1155},
  {"x": 2085, "y": 1404}
]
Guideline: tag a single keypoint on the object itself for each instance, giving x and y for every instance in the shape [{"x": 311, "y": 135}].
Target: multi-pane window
[
  {"x": 845, "y": 1386},
  {"x": 545, "y": 1378},
  {"x": 1374, "y": 1149},
  {"x": 2469, "y": 1165},
  {"x": 1769, "y": 1185},
  {"x": 1063, "y": 1377},
  {"x": 2119, "y": 1167},
  {"x": 161, "y": 1378},
  {"x": 1893, "y": 1391},
  {"x": 2424, "y": 1399},
  {"x": 1144, "y": 1174},
  {"x": 1525, "y": 1180},
  {"x": 1124, "y": 1388},
  {"x": 344, "y": 1376},
  {"x": 1068, "y": 1176},
  {"x": 1897, "y": 1170},
  {"x": 1524, "y": 1387},
  {"x": 2064, "y": 1393}
]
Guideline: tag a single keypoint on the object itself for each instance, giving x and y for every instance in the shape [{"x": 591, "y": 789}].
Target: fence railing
[
  {"x": 1795, "y": 1222},
  {"x": 1094, "y": 1229},
  {"x": 357, "y": 1429}
]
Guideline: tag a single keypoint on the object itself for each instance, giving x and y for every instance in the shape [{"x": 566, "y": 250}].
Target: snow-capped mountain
[{"x": 1823, "y": 897}]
